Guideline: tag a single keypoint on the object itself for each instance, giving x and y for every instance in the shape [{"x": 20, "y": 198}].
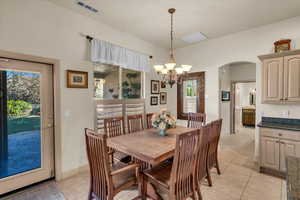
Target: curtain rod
[{"x": 90, "y": 38}]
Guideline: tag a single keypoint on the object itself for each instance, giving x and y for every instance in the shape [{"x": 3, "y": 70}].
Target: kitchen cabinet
[
  {"x": 276, "y": 145},
  {"x": 281, "y": 77}
]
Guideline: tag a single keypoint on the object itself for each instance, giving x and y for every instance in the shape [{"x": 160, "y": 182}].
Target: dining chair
[
  {"x": 115, "y": 127},
  {"x": 196, "y": 120},
  {"x": 177, "y": 178},
  {"x": 106, "y": 181},
  {"x": 201, "y": 170},
  {"x": 212, "y": 157},
  {"x": 149, "y": 120},
  {"x": 135, "y": 123}
]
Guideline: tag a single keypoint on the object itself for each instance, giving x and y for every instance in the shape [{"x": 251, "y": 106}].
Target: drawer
[{"x": 281, "y": 134}]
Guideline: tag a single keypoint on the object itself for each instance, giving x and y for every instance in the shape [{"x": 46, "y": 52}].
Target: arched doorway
[{"x": 237, "y": 86}]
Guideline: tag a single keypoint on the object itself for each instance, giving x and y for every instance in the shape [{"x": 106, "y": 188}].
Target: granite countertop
[
  {"x": 280, "y": 123},
  {"x": 293, "y": 178}
]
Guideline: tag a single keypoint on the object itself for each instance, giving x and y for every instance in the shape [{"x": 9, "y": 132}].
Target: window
[
  {"x": 190, "y": 94},
  {"x": 113, "y": 82}
]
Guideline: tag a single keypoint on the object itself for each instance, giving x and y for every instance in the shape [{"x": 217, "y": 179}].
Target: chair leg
[
  {"x": 208, "y": 177},
  {"x": 217, "y": 166},
  {"x": 199, "y": 195}
]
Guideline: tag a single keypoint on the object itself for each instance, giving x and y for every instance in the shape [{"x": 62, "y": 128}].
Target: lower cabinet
[
  {"x": 270, "y": 152},
  {"x": 288, "y": 148},
  {"x": 275, "y": 148}
]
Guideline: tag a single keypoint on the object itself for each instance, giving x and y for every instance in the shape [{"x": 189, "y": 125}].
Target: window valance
[{"x": 108, "y": 53}]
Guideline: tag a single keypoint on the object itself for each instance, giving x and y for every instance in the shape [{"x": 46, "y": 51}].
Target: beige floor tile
[{"x": 261, "y": 186}]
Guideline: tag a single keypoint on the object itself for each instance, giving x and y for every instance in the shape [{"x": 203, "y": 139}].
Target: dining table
[{"x": 148, "y": 146}]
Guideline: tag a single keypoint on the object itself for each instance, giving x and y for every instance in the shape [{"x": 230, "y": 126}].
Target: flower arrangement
[{"x": 163, "y": 121}]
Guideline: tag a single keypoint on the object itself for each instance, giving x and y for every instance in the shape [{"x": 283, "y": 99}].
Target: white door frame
[
  {"x": 232, "y": 103},
  {"x": 57, "y": 103}
]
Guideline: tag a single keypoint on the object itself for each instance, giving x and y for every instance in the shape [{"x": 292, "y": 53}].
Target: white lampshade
[
  {"x": 158, "y": 68},
  {"x": 186, "y": 68},
  {"x": 170, "y": 66},
  {"x": 164, "y": 71},
  {"x": 179, "y": 70}
]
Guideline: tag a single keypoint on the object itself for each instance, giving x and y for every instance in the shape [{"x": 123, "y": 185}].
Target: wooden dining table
[{"x": 148, "y": 146}]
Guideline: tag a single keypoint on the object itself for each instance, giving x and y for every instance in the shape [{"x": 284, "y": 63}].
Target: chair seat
[
  {"x": 121, "y": 179},
  {"x": 122, "y": 157},
  {"x": 160, "y": 174}
]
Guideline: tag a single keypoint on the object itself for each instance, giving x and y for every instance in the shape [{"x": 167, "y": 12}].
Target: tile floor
[{"x": 240, "y": 179}]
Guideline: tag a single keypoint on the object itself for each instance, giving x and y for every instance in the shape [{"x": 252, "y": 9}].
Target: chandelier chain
[{"x": 172, "y": 34}]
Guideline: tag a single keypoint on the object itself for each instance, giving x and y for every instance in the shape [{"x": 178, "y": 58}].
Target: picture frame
[
  {"x": 163, "y": 84},
  {"x": 225, "y": 96},
  {"x": 153, "y": 101},
  {"x": 155, "y": 87},
  {"x": 77, "y": 79},
  {"x": 163, "y": 98},
  {"x": 282, "y": 45}
]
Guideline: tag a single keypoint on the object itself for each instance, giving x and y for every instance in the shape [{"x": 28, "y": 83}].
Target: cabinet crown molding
[{"x": 281, "y": 54}]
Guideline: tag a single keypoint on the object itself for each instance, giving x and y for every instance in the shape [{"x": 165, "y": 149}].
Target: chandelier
[{"x": 171, "y": 72}]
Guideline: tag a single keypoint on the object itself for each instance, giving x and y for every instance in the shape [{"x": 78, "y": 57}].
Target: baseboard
[{"x": 73, "y": 172}]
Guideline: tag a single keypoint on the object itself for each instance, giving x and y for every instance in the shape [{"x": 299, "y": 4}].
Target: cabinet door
[
  {"x": 288, "y": 148},
  {"x": 292, "y": 78},
  {"x": 269, "y": 152},
  {"x": 272, "y": 79}
]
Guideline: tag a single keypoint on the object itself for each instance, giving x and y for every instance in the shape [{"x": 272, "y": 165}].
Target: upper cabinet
[
  {"x": 281, "y": 77},
  {"x": 292, "y": 78}
]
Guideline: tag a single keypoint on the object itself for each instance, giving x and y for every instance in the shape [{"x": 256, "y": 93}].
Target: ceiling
[{"x": 150, "y": 21}]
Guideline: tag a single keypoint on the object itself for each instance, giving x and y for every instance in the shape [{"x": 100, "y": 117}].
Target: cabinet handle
[
  {"x": 282, "y": 142},
  {"x": 286, "y": 99},
  {"x": 281, "y": 99},
  {"x": 277, "y": 142},
  {"x": 280, "y": 134}
]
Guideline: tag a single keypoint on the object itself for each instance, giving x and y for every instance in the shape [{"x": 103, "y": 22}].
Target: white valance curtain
[{"x": 107, "y": 53}]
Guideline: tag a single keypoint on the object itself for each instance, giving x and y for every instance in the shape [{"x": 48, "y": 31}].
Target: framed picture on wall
[
  {"x": 163, "y": 98},
  {"x": 154, "y": 101},
  {"x": 225, "y": 96},
  {"x": 163, "y": 84},
  {"x": 155, "y": 87},
  {"x": 77, "y": 79}
]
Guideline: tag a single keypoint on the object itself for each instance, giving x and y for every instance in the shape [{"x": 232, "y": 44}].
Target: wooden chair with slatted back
[
  {"x": 106, "y": 181},
  {"x": 149, "y": 120},
  {"x": 177, "y": 178},
  {"x": 214, "y": 137},
  {"x": 201, "y": 171},
  {"x": 135, "y": 123},
  {"x": 114, "y": 127},
  {"x": 196, "y": 120}
]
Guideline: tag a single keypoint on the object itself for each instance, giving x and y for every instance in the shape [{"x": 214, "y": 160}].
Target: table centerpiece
[{"x": 163, "y": 121}]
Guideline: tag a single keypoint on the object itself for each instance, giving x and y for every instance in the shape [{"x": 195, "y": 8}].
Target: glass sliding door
[{"x": 26, "y": 125}]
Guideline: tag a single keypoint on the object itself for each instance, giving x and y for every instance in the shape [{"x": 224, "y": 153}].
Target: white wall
[
  {"x": 243, "y": 72},
  {"x": 41, "y": 28},
  {"x": 225, "y": 85},
  {"x": 243, "y": 46},
  {"x": 244, "y": 90}
]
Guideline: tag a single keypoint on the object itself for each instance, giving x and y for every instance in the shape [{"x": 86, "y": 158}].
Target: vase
[{"x": 162, "y": 132}]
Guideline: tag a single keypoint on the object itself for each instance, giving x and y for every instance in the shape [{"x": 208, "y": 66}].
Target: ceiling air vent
[{"x": 84, "y": 5}]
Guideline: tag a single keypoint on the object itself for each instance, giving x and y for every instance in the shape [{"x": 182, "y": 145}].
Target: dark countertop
[
  {"x": 280, "y": 123},
  {"x": 293, "y": 178}
]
